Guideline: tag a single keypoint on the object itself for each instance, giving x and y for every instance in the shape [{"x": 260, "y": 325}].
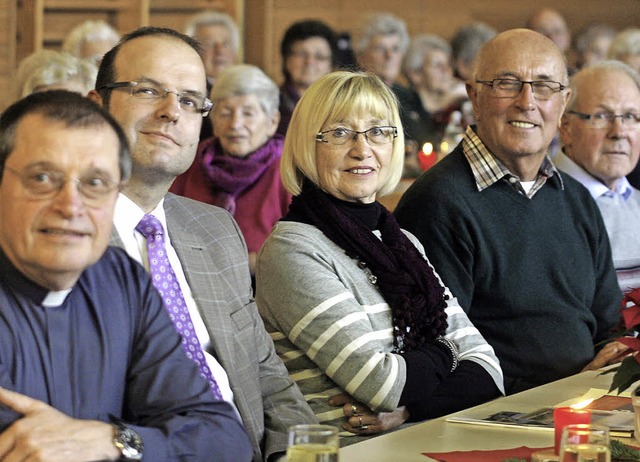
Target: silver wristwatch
[{"x": 128, "y": 442}]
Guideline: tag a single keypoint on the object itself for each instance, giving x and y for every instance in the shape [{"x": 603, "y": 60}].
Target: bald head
[
  {"x": 518, "y": 121},
  {"x": 513, "y": 47}
]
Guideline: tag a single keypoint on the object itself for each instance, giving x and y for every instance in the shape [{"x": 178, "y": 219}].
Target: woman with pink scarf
[{"x": 239, "y": 167}]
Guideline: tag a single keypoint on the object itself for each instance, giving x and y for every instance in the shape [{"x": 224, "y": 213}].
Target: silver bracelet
[{"x": 453, "y": 348}]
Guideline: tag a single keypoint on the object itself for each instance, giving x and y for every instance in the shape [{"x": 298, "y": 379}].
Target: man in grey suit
[{"x": 154, "y": 84}]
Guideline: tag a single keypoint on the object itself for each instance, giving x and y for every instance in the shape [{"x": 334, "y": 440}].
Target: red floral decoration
[{"x": 628, "y": 372}]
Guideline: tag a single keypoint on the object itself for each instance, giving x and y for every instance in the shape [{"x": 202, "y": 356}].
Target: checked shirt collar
[{"x": 488, "y": 170}]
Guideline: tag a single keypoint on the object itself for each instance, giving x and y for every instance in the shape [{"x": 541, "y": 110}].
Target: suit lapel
[{"x": 198, "y": 264}]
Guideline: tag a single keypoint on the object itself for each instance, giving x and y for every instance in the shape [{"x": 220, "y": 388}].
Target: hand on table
[
  {"x": 46, "y": 434},
  {"x": 611, "y": 353},
  {"x": 363, "y": 421}
]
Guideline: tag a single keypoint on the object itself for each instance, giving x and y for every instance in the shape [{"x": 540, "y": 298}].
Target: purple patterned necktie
[{"x": 164, "y": 279}]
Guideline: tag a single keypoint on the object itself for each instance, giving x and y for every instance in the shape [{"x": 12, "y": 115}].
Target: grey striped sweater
[{"x": 332, "y": 328}]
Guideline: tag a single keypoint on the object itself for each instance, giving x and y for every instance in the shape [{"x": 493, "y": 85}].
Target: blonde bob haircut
[{"x": 333, "y": 98}]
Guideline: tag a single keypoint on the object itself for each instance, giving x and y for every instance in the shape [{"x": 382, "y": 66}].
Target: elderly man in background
[
  {"x": 153, "y": 83},
  {"x": 466, "y": 43},
  {"x": 219, "y": 36},
  {"x": 551, "y": 24},
  {"x": 592, "y": 44},
  {"x": 625, "y": 47},
  {"x": 490, "y": 215},
  {"x": 601, "y": 135},
  {"x": 91, "y": 367}
]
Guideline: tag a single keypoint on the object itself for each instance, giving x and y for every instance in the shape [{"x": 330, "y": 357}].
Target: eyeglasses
[
  {"x": 212, "y": 44},
  {"x": 606, "y": 119},
  {"x": 47, "y": 183},
  {"x": 309, "y": 56},
  {"x": 383, "y": 50},
  {"x": 510, "y": 88},
  {"x": 375, "y": 136},
  {"x": 149, "y": 90}
]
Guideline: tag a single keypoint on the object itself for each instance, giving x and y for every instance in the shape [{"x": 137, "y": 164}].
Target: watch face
[
  {"x": 129, "y": 443},
  {"x": 131, "y": 438}
]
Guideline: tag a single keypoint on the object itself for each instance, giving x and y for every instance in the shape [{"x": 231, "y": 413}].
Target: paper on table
[
  {"x": 592, "y": 393},
  {"x": 494, "y": 455},
  {"x": 621, "y": 423}
]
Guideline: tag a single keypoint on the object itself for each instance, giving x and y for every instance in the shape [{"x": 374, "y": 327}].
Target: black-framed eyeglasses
[
  {"x": 152, "y": 91},
  {"x": 605, "y": 119},
  {"x": 375, "y": 136},
  {"x": 510, "y": 88},
  {"x": 42, "y": 183}
]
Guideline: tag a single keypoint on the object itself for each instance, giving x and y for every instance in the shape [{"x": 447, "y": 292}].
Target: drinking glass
[
  {"x": 585, "y": 443},
  {"x": 313, "y": 443}
]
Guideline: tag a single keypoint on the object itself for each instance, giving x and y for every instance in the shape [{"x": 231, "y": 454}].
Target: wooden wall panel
[
  {"x": 266, "y": 20},
  {"x": 59, "y": 22},
  {"x": 35, "y": 24},
  {"x": 176, "y": 13},
  {"x": 45, "y": 21},
  {"x": 7, "y": 49}
]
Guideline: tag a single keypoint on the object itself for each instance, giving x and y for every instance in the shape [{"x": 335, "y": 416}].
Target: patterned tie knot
[{"x": 150, "y": 226}]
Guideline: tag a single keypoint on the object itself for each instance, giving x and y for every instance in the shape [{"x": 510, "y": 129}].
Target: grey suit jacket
[{"x": 214, "y": 258}]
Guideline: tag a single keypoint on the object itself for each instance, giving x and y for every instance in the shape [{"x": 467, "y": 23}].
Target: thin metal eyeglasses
[
  {"x": 150, "y": 90},
  {"x": 47, "y": 183},
  {"x": 510, "y": 88},
  {"x": 309, "y": 56},
  {"x": 606, "y": 119},
  {"x": 375, "y": 136}
]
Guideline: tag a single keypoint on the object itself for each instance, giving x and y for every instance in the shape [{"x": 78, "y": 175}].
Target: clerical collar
[
  {"x": 13, "y": 278},
  {"x": 55, "y": 298}
]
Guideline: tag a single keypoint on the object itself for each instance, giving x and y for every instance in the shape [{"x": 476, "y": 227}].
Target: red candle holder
[
  {"x": 427, "y": 156},
  {"x": 563, "y": 416}
]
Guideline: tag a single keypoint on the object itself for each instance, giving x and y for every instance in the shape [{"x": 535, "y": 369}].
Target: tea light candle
[
  {"x": 426, "y": 157},
  {"x": 563, "y": 416}
]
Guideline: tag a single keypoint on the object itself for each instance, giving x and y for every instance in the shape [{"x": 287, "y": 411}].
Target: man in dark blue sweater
[{"x": 523, "y": 247}]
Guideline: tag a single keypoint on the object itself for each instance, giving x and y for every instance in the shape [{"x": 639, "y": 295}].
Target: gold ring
[{"x": 354, "y": 410}]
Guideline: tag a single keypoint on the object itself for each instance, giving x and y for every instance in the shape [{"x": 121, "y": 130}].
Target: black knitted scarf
[{"x": 406, "y": 281}]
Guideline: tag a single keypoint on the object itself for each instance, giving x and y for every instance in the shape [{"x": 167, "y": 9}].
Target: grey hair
[
  {"x": 214, "y": 18},
  {"x": 246, "y": 79},
  {"x": 468, "y": 40},
  {"x": 382, "y": 24},
  {"x": 590, "y": 34},
  {"x": 625, "y": 43},
  {"x": 89, "y": 31},
  {"x": 48, "y": 67},
  {"x": 414, "y": 59},
  {"x": 69, "y": 108},
  {"x": 602, "y": 66}
]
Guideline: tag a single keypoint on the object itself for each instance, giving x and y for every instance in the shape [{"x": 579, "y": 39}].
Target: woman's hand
[{"x": 363, "y": 421}]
